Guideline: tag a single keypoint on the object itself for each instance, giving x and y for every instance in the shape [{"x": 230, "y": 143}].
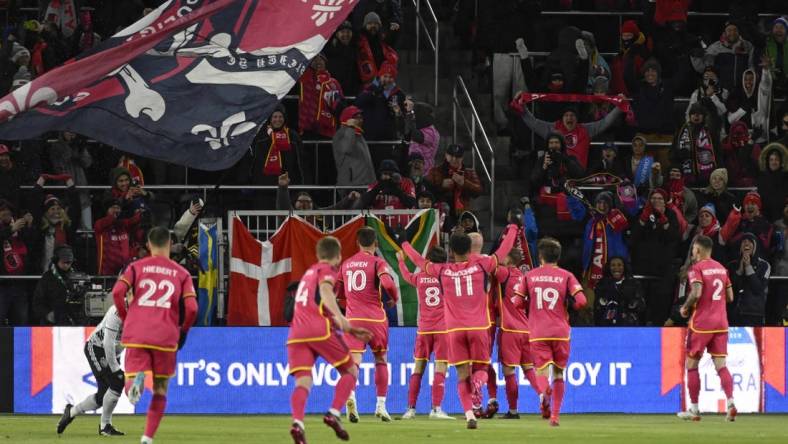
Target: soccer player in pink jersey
[
  {"x": 466, "y": 295},
  {"x": 312, "y": 334},
  {"x": 514, "y": 349},
  {"x": 550, "y": 290},
  {"x": 708, "y": 328},
  {"x": 361, "y": 278},
  {"x": 431, "y": 334},
  {"x": 151, "y": 334}
]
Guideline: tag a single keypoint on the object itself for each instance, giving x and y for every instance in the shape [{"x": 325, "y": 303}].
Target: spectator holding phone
[
  {"x": 114, "y": 238},
  {"x": 454, "y": 184},
  {"x": 390, "y": 192},
  {"x": 128, "y": 191}
]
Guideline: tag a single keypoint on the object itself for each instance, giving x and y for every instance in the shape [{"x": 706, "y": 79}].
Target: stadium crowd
[{"x": 721, "y": 171}]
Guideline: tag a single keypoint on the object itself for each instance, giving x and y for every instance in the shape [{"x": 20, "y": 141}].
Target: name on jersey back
[
  {"x": 156, "y": 269},
  {"x": 470, "y": 270},
  {"x": 552, "y": 279}
]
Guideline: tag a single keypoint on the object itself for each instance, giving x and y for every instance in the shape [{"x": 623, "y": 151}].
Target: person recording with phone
[{"x": 390, "y": 192}]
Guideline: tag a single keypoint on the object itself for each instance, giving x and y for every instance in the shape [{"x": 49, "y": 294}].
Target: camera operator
[
  {"x": 55, "y": 301},
  {"x": 712, "y": 96},
  {"x": 390, "y": 192}
]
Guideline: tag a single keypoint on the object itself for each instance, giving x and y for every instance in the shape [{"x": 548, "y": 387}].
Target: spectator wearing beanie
[
  {"x": 772, "y": 181},
  {"x": 388, "y": 11},
  {"x": 570, "y": 59},
  {"x": 374, "y": 48},
  {"x": 718, "y": 195},
  {"x": 708, "y": 226},
  {"x": 740, "y": 155},
  {"x": 627, "y": 64},
  {"x": 50, "y": 297},
  {"x": 776, "y": 50},
  {"x": 16, "y": 238},
  {"x": 680, "y": 53},
  {"x": 749, "y": 274},
  {"x": 683, "y": 198},
  {"x": 421, "y": 132},
  {"x": 342, "y": 53},
  {"x": 609, "y": 162},
  {"x": 748, "y": 219},
  {"x": 654, "y": 244},
  {"x": 351, "y": 152},
  {"x": 57, "y": 222},
  {"x": 652, "y": 104},
  {"x": 696, "y": 148},
  {"x": 383, "y": 104},
  {"x": 731, "y": 55},
  {"x": 128, "y": 190},
  {"x": 641, "y": 169},
  {"x": 417, "y": 173},
  {"x": 114, "y": 238}
]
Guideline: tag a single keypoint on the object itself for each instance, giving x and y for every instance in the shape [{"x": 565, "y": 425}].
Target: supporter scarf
[
  {"x": 712, "y": 230},
  {"x": 558, "y": 201},
  {"x": 280, "y": 141},
  {"x": 320, "y": 93},
  {"x": 526, "y": 97},
  {"x": 697, "y": 152},
  {"x": 522, "y": 243},
  {"x": 643, "y": 171},
  {"x": 598, "y": 236}
]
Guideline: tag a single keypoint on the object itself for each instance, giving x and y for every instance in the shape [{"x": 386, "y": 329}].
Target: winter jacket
[
  {"x": 50, "y": 296},
  {"x": 261, "y": 149},
  {"x": 750, "y": 286},
  {"x": 71, "y": 158},
  {"x": 352, "y": 158},
  {"x": 565, "y": 60},
  {"x": 654, "y": 247},
  {"x": 380, "y": 122},
  {"x": 341, "y": 64},
  {"x": 21, "y": 243},
  {"x": 626, "y": 66},
  {"x": 753, "y": 106},
  {"x": 730, "y": 61},
  {"x": 775, "y": 50},
  {"x": 737, "y": 227},
  {"x": 471, "y": 188},
  {"x": 619, "y": 303},
  {"x": 114, "y": 238},
  {"x": 723, "y": 202},
  {"x": 615, "y": 226},
  {"x": 653, "y": 107},
  {"x": 47, "y": 236},
  {"x": 773, "y": 185},
  {"x": 780, "y": 261},
  {"x": 10, "y": 181},
  {"x": 421, "y": 132}
]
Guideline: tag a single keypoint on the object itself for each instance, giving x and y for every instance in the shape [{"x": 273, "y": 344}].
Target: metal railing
[
  {"x": 460, "y": 92},
  {"x": 434, "y": 42}
]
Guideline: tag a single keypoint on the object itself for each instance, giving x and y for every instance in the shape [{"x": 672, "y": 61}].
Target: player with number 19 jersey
[{"x": 708, "y": 327}]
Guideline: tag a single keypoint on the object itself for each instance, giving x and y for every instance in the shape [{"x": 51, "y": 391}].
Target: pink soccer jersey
[
  {"x": 466, "y": 291},
  {"x": 359, "y": 277},
  {"x": 510, "y": 304},
  {"x": 431, "y": 305},
  {"x": 547, "y": 288},
  {"x": 157, "y": 284},
  {"x": 710, "y": 315},
  {"x": 310, "y": 321}
]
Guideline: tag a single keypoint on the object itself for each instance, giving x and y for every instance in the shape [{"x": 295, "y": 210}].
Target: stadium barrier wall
[
  {"x": 243, "y": 370},
  {"x": 6, "y": 370}
]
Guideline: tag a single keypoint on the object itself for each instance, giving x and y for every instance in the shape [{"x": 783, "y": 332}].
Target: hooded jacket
[
  {"x": 740, "y": 155},
  {"x": 653, "y": 104},
  {"x": 751, "y": 284},
  {"x": 564, "y": 59},
  {"x": 620, "y": 303},
  {"x": 754, "y": 105},
  {"x": 351, "y": 153},
  {"x": 627, "y": 64},
  {"x": 773, "y": 185},
  {"x": 730, "y": 60},
  {"x": 424, "y": 137}
]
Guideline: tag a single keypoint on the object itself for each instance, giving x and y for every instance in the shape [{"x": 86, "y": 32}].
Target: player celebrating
[
  {"x": 708, "y": 327},
  {"x": 312, "y": 335},
  {"x": 467, "y": 316},
  {"x": 514, "y": 349},
  {"x": 550, "y": 290},
  {"x": 102, "y": 350},
  {"x": 151, "y": 333},
  {"x": 360, "y": 278},
  {"x": 430, "y": 337}
]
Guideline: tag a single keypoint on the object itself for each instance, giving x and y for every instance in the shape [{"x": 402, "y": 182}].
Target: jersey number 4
[{"x": 150, "y": 289}]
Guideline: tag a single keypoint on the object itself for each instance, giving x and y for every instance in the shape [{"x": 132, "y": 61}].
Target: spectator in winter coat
[
  {"x": 618, "y": 297},
  {"x": 627, "y": 64},
  {"x": 277, "y": 149},
  {"x": 351, "y": 153},
  {"x": 718, "y": 195},
  {"x": 708, "y": 226},
  {"x": 16, "y": 239},
  {"x": 114, "y": 239},
  {"x": 654, "y": 241},
  {"x": 712, "y": 97},
  {"x": 390, "y": 192},
  {"x": 750, "y": 103},
  {"x": 417, "y": 173},
  {"x": 750, "y": 278},
  {"x": 674, "y": 47},
  {"x": 421, "y": 132},
  {"x": 740, "y": 155},
  {"x": 454, "y": 184},
  {"x": 319, "y": 101},
  {"x": 57, "y": 223},
  {"x": 374, "y": 48},
  {"x": 682, "y": 197},
  {"x": 342, "y": 53},
  {"x": 609, "y": 163},
  {"x": 597, "y": 66},
  {"x": 69, "y": 156},
  {"x": 777, "y": 51},
  {"x": 779, "y": 288},
  {"x": 128, "y": 191},
  {"x": 652, "y": 101},
  {"x": 641, "y": 169},
  {"x": 772, "y": 181},
  {"x": 748, "y": 220},
  {"x": 696, "y": 148},
  {"x": 388, "y": 11},
  {"x": 50, "y": 298},
  {"x": 731, "y": 56},
  {"x": 10, "y": 178},
  {"x": 603, "y": 237},
  {"x": 304, "y": 200},
  {"x": 382, "y": 103},
  {"x": 570, "y": 59}
]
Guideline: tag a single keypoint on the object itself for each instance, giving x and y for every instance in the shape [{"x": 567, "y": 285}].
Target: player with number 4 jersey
[
  {"x": 550, "y": 290},
  {"x": 152, "y": 329}
]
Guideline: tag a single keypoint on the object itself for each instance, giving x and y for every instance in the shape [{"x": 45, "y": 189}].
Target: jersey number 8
[
  {"x": 149, "y": 287},
  {"x": 433, "y": 298},
  {"x": 549, "y": 295}
]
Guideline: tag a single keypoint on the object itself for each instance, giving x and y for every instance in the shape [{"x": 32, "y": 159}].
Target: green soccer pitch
[{"x": 607, "y": 429}]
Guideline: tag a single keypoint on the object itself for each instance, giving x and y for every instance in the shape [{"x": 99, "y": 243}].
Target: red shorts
[
  {"x": 514, "y": 349},
  {"x": 161, "y": 363},
  {"x": 715, "y": 343},
  {"x": 301, "y": 356},
  {"x": 550, "y": 352},
  {"x": 431, "y": 343},
  {"x": 378, "y": 343},
  {"x": 469, "y": 346}
]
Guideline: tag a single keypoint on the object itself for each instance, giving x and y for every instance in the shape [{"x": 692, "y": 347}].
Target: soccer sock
[
  {"x": 530, "y": 375},
  {"x": 86, "y": 405},
  {"x": 492, "y": 383},
  {"x": 464, "y": 391},
  {"x": 381, "y": 378},
  {"x": 298, "y": 402},
  {"x": 693, "y": 384},
  {"x": 108, "y": 406},
  {"x": 155, "y": 413},
  {"x": 438, "y": 388},
  {"x": 726, "y": 381},
  {"x": 558, "y": 396},
  {"x": 543, "y": 383},
  {"x": 511, "y": 391},
  {"x": 342, "y": 391},
  {"x": 413, "y": 389},
  {"x": 479, "y": 378}
]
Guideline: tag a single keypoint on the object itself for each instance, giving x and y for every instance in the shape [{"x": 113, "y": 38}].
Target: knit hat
[
  {"x": 64, "y": 253},
  {"x": 372, "y": 17},
  {"x": 651, "y": 63},
  {"x": 604, "y": 196},
  {"x": 455, "y": 150},
  {"x": 388, "y": 68},
  {"x": 349, "y": 113},
  {"x": 18, "y": 51},
  {"x": 630, "y": 26},
  {"x": 389, "y": 166},
  {"x": 753, "y": 198},
  {"x": 345, "y": 25},
  {"x": 739, "y": 131},
  {"x": 697, "y": 108},
  {"x": 781, "y": 21},
  {"x": 722, "y": 173},
  {"x": 709, "y": 208},
  {"x": 51, "y": 201}
]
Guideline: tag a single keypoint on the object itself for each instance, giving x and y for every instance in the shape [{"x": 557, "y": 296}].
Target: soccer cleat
[
  {"x": 492, "y": 409},
  {"x": 108, "y": 430},
  {"x": 545, "y": 402},
  {"x": 692, "y": 414},
  {"x": 351, "y": 410},
  {"x": 299, "y": 437},
  {"x": 380, "y": 412},
  {"x": 146, "y": 440},
  {"x": 554, "y": 421},
  {"x": 438, "y": 413},
  {"x": 510, "y": 415},
  {"x": 471, "y": 424},
  {"x": 732, "y": 412},
  {"x": 65, "y": 419},
  {"x": 136, "y": 389},
  {"x": 477, "y": 412},
  {"x": 409, "y": 414},
  {"x": 336, "y": 424}
]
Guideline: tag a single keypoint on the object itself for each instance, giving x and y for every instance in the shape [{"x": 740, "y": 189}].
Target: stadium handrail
[{"x": 434, "y": 43}]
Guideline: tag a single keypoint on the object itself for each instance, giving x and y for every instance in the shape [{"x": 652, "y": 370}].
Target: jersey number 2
[
  {"x": 149, "y": 287},
  {"x": 718, "y": 287}
]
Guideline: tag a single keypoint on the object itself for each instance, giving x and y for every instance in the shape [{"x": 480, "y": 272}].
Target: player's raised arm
[
  {"x": 414, "y": 256},
  {"x": 403, "y": 269},
  {"x": 507, "y": 243}
]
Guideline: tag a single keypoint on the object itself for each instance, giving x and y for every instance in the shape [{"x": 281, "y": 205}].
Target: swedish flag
[{"x": 208, "y": 281}]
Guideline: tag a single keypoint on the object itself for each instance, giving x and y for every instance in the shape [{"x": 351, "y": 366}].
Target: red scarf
[
  {"x": 676, "y": 190},
  {"x": 598, "y": 236},
  {"x": 320, "y": 93},
  {"x": 558, "y": 201},
  {"x": 522, "y": 243},
  {"x": 459, "y": 206},
  {"x": 280, "y": 141}
]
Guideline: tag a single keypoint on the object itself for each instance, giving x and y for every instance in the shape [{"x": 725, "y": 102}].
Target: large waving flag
[{"x": 189, "y": 83}]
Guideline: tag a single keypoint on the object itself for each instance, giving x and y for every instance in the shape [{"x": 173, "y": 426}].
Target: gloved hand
[
  {"x": 646, "y": 213},
  {"x": 662, "y": 219}
]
